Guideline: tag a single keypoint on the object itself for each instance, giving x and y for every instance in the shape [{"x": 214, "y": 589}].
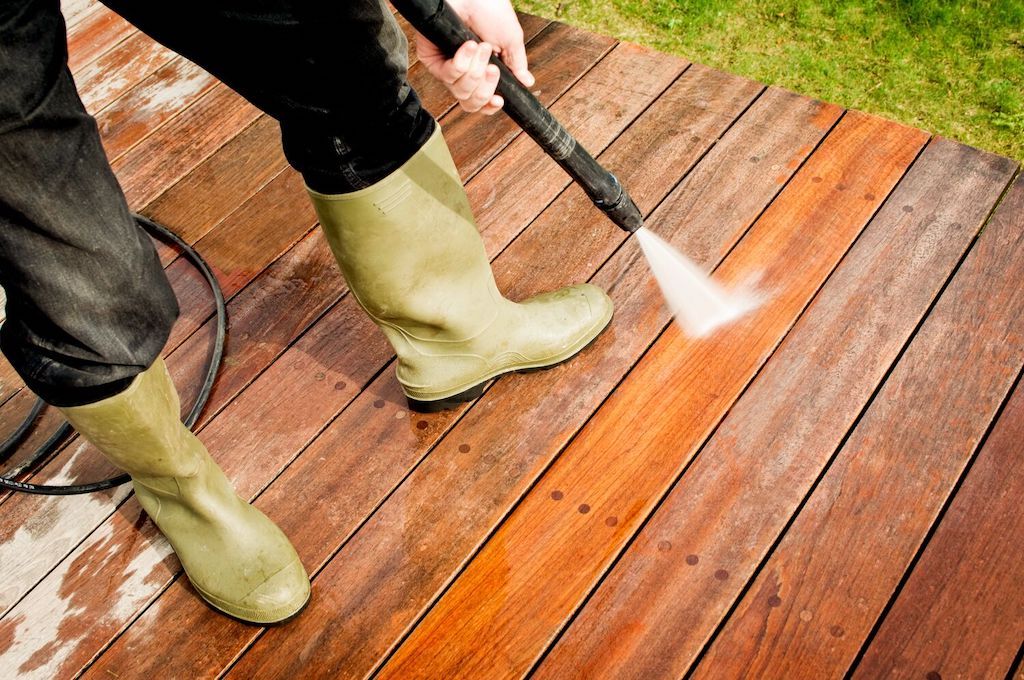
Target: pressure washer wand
[{"x": 436, "y": 20}]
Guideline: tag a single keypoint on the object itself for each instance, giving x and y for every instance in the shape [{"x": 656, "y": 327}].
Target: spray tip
[{"x": 697, "y": 303}]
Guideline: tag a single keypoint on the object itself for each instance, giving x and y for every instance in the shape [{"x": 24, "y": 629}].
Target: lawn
[{"x": 953, "y": 68}]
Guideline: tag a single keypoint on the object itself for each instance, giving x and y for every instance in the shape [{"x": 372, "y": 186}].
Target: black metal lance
[{"x": 436, "y": 20}]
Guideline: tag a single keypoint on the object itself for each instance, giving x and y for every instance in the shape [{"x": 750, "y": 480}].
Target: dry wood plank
[
  {"x": 362, "y": 425},
  {"x": 154, "y": 101},
  {"x": 398, "y": 561},
  {"x": 125, "y": 601},
  {"x": 961, "y": 613},
  {"x": 98, "y": 31},
  {"x": 119, "y": 70},
  {"x": 74, "y": 10},
  {"x": 664, "y": 598},
  {"x": 602, "y": 487},
  {"x": 844, "y": 555}
]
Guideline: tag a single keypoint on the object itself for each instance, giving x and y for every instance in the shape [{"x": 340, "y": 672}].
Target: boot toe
[
  {"x": 568, "y": 320},
  {"x": 276, "y": 600}
]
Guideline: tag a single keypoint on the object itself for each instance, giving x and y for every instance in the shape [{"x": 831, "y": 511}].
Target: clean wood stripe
[
  {"x": 603, "y": 486},
  {"x": 959, "y": 614},
  {"x": 365, "y": 423},
  {"x": 228, "y": 269},
  {"x": 670, "y": 590},
  {"x": 497, "y": 449},
  {"x": 866, "y": 519}
]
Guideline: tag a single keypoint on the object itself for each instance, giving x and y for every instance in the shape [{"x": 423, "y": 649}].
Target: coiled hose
[{"x": 9, "y": 446}]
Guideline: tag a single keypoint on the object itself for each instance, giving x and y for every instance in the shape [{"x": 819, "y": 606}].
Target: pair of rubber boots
[{"x": 413, "y": 259}]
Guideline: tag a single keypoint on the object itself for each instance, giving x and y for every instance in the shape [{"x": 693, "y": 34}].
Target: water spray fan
[{"x": 693, "y": 298}]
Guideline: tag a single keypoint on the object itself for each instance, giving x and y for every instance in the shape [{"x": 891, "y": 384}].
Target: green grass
[{"x": 953, "y": 68}]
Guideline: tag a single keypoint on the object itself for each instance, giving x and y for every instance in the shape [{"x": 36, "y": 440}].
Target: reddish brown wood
[
  {"x": 97, "y": 31},
  {"x": 154, "y": 101},
  {"x": 119, "y": 70},
  {"x": 604, "y": 485},
  {"x": 396, "y": 563},
  {"x": 368, "y": 424},
  {"x": 217, "y": 187},
  {"x": 840, "y": 561},
  {"x": 961, "y": 613},
  {"x": 169, "y": 153},
  {"x": 657, "y": 607}
]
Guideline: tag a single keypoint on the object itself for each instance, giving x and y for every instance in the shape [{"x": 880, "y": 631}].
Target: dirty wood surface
[{"x": 828, "y": 486}]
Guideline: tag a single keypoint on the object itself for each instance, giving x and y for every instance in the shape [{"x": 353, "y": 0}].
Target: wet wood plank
[
  {"x": 664, "y": 598},
  {"x": 604, "y": 485},
  {"x": 865, "y": 521},
  {"x": 365, "y": 422},
  {"x": 221, "y": 248},
  {"x": 960, "y": 612},
  {"x": 397, "y": 562}
]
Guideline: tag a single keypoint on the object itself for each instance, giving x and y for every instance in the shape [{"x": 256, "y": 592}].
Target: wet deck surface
[{"x": 832, "y": 484}]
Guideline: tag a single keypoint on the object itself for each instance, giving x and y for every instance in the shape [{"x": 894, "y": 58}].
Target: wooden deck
[{"x": 830, "y": 486}]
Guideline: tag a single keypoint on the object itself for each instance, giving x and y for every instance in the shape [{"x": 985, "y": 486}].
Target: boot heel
[{"x": 447, "y": 403}]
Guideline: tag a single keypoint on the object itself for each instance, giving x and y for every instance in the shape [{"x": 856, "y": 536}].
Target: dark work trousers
[{"x": 88, "y": 305}]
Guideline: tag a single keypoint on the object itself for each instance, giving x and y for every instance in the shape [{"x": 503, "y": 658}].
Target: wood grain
[
  {"x": 840, "y": 561},
  {"x": 234, "y": 250},
  {"x": 373, "y": 422},
  {"x": 961, "y": 612},
  {"x": 664, "y": 598},
  {"x": 97, "y": 31},
  {"x": 395, "y": 565},
  {"x": 119, "y": 70},
  {"x": 161, "y": 96},
  {"x": 603, "y": 486},
  {"x": 170, "y": 152}
]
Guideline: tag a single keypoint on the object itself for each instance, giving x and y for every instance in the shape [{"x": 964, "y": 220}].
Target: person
[{"x": 89, "y": 308}]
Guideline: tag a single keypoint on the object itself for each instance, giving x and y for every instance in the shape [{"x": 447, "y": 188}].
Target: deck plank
[
  {"x": 221, "y": 249},
  {"x": 959, "y": 614},
  {"x": 655, "y": 610},
  {"x": 96, "y": 31},
  {"x": 397, "y": 563},
  {"x": 362, "y": 422},
  {"x": 605, "y": 484},
  {"x": 119, "y": 70},
  {"x": 841, "y": 560},
  {"x": 171, "y": 89}
]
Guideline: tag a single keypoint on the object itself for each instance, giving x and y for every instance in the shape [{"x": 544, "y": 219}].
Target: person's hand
[{"x": 468, "y": 75}]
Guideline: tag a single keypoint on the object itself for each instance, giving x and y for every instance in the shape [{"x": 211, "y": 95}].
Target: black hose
[
  {"x": 7, "y": 449},
  {"x": 436, "y": 20}
]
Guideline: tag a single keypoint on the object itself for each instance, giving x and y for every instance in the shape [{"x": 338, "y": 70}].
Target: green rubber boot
[
  {"x": 413, "y": 258},
  {"x": 237, "y": 559}
]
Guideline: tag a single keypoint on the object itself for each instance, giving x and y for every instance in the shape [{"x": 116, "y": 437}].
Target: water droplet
[
  {"x": 379, "y": 403},
  {"x": 721, "y": 574},
  {"x": 421, "y": 425},
  {"x": 774, "y": 601},
  {"x": 692, "y": 559},
  {"x": 584, "y": 508},
  {"x": 464, "y": 448},
  {"x": 806, "y": 615},
  {"x": 664, "y": 546},
  {"x": 557, "y": 495},
  {"x": 611, "y": 521},
  {"x": 340, "y": 385}
]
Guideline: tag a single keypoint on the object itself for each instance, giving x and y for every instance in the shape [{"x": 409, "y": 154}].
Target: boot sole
[
  {"x": 474, "y": 392},
  {"x": 251, "y": 622}
]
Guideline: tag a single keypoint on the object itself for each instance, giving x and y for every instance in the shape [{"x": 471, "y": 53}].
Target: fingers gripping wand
[
  {"x": 439, "y": 24},
  {"x": 694, "y": 299}
]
